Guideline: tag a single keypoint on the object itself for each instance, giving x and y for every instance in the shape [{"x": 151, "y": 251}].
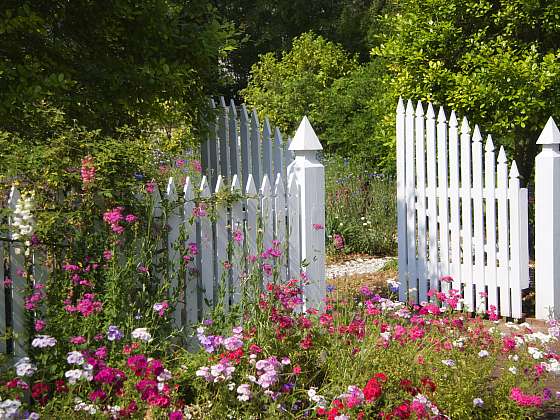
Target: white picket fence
[
  {"x": 459, "y": 214},
  {"x": 236, "y": 145},
  {"x": 291, "y": 213}
]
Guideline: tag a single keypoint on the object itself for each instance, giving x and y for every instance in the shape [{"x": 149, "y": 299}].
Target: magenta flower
[{"x": 39, "y": 325}]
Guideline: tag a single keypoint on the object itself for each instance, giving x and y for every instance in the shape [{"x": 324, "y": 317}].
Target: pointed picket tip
[
  {"x": 266, "y": 127},
  {"x": 419, "y": 109},
  {"x": 292, "y": 184},
  {"x": 409, "y": 108},
  {"x": 255, "y": 117},
  {"x": 235, "y": 187},
  {"x": 513, "y": 172},
  {"x": 233, "y": 108},
  {"x": 502, "y": 155},
  {"x": 477, "y": 137},
  {"x": 453, "y": 119},
  {"x": 489, "y": 144},
  {"x": 465, "y": 129},
  {"x": 278, "y": 185},
  {"x": 14, "y": 197},
  {"x": 223, "y": 102},
  {"x": 305, "y": 138},
  {"x": 430, "y": 114},
  {"x": 244, "y": 113},
  {"x": 188, "y": 189},
  {"x": 265, "y": 186},
  {"x": 278, "y": 135},
  {"x": 400, "y": 106},
  {"x": 250, "y": 188},
  {"x": 219, "y": 184},
  {"x": 441, "y": 115},
  {"x": 204, "y": 188},
  {"x": 171, "y": 191},
  {"x": 550, "y": 133}
]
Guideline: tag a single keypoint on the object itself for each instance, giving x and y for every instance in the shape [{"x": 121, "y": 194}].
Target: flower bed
[{"x": 364, "y": 357}]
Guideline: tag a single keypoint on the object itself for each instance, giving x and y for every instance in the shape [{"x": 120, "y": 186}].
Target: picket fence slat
[
  {"x": 443, "y": 197},
  {"x": 466, "y": 215},
  {"x": 266, "y": 213},
  {"x": 454, "y": 194},
  {"x": 237, "y": 261},
  {"x": 256, "y": 168},
  {"x": 174, "y": 223},
  {"x": 206, "y": 246},
  {"x": 478, "y": 271},
  {"x": 490, "y": 189},
  {"x": 421, "y": 202},
  {"x": 222, "y": 273},
  {"x": 401, "y": 201},
  {"x": 515, "y": 240},
  {"x": 280, "y": 224},
  {"x": 213, "y": 145},
  {"x": 233, "y": 141},
  {"x": 503, "y": 234},
  {"x": 278, "y": 156},
  {"x": 267, "y": 149},
  {"x": 191, "y": 279},
  {"x": 223, "y": 135},
  {"x": 244, "y": 133},
  {"x": 431, "y": 170},
  {"x": 412, "y": 282},
  {"x": 251, "y": 227}
]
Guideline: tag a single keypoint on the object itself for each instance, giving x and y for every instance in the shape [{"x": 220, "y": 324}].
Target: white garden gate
[{"x": 459, "y": 214}]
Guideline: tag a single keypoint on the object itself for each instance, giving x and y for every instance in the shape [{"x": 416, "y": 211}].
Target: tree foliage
[{"x": 495, "y": 61}]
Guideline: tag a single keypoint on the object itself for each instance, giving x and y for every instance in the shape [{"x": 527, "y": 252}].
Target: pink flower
[
  {"x": 200, "y": 210},
  {"x": 107, "y": 255},
  {"x": 318, "y": 226},
  {"x": 161, "y": 307},
  {"x": 130, "y": 218},
  {"x": 176, "y": 415},
  {"x": 39, "y": 325},
  {"x": 237, "y": 236},
  {"x": 150, "y": 187},
  {"x": 7, "y": 282},
  {"x": 338, "y": 241},
  {"x": 78, "y": 340},
  {"x": 196, "y": 166},
  {"x": 87, "y": 171}
]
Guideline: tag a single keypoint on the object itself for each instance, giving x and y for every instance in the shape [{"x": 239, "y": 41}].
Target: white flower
[
  {"x": 165, "y": 375},
  {"x": 448, "y": 362},
  {"x": 513, "y": 370},
  {"x": 24, "y": 367},
  {"x": 231, "y": 386},
  {"x": 9, "y": 409},
  {"x": 483, "y": 353},
  {"x": 386, "y": 335},
  {"x": 73, "y": 375},
  {"x": 513, "y": 357},
  {"x": 535, "y": 352},
  {"x": 75, "y": 358},
  {"x": 141, "y": 334},
  {"x": 43, "y": 341},
  {"x": 477, "y": 402}
]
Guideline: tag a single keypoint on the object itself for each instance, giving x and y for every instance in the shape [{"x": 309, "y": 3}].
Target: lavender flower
[
  {"x": 24, "y": 367},
  {"x": 141, "y": 334},
  {"x": 477, "y": 402},
  {"x": 244, "y": 391},
  {"x": 43, "y": 341},
  {"x": 75, "y": 358},
  {"x": 114, "y": 334}
]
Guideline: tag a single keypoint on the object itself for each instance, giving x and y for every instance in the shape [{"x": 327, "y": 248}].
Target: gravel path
[{"x": 358, "y": 266}]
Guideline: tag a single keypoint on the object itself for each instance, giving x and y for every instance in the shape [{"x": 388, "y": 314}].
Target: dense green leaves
[{"x": 497, "y": 62}]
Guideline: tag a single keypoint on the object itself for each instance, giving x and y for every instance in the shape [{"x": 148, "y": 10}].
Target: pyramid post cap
[
  {"x": 305, "y": 138},
  {"x": 550, "y": 133}
]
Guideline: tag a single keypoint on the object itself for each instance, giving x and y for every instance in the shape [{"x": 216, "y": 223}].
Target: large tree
[{"x": 495, "y": 61}]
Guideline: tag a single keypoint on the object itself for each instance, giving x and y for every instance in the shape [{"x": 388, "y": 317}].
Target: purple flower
[
  {"x": 114, "y": 334},
  {"x": 233, "y": 343}
]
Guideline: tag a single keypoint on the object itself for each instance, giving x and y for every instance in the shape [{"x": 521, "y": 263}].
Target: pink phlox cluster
[
  {"x": 200, "y": 210},
  {"x": 525, "y": 400},
  {"x": 33, "y": 300},
  {"x": 353, "y": 397},
  {"x": 267, "y": 371},
  {"x": 161, "y": 307},
  {"x": 86, "y": 306}
]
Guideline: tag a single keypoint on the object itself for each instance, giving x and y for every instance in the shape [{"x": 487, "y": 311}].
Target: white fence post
[
  {"x": 547, "y": 223},
  {"x": 310, "y": 177}
]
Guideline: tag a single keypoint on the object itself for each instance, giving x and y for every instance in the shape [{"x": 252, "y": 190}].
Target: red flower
[
  {"x": 297, "y": 370},
  {"x": 372, "y": 390}
]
